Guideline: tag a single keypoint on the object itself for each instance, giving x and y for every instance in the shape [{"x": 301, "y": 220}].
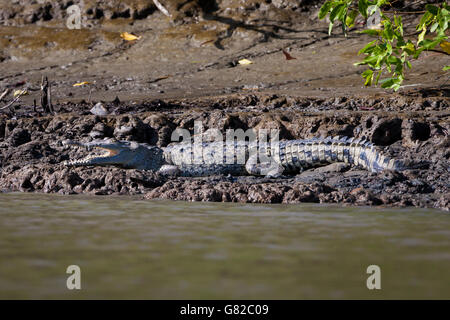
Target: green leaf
[
  {"x": 429, "y": 44},
  {"x": 397, "y": 20},
  {"x": 372, "y": 32},
  {"x": 363, "y": 5},
  {"x": 387, "y": 83},
  {"x": 378, "y": 77},
  {"x": 372, "y": 9},
  {"x": 443, "y": 21},
  {"x": 382, "y": 2},
  {"x": 388, "y": 48},
  {"x": 399, "y": 27},
  {"x": 394, "y": 60},
  {"x": 368, "y": 75},
  {"x": 388, "y": 33},
  {"x": 388, "y": 66},
  {"x": 351, "y": 17},
  {"x": 422, "y": 35},
  {"x": 432, "y": 9},
  {"x": 390, "y": 52},
  {"x": 325, "y": 9},
  {"x": 370, "y": 60},
  {"x": 434, "y": 27},
  {"x": 337, "y": 12},
  {"x": 344, "y": 25},
  {"x": 330, "y": 28},
  {"x": 424, "y": 20},
  {"x": 418, "y": 52},
  {"x": 399, "y": 68},
  {"x": 366, "y": 47},
  {"x": 391, "y": 83},
  {"x": 409, "y": 48}
]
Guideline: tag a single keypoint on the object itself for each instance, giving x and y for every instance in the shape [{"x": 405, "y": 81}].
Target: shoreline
[{"x": 36, "y": 144}]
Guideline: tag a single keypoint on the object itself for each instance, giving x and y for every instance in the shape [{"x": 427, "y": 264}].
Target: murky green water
[{"x": 153, "y": 249}]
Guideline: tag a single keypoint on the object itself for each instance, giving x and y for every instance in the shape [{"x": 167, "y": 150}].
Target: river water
[{"x": 129, "y": 248}]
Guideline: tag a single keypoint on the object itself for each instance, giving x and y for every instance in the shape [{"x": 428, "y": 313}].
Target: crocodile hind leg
[
  {"x": 270, "y": 169},
  {"x": 170, "y": 170}
]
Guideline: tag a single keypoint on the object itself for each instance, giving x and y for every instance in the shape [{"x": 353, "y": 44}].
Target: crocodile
[{"x": 238, "y": 157}]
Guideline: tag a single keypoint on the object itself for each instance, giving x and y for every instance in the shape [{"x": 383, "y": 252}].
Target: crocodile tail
[
  {"x": 363, "y": 153},
  {"x": 373, "y": 160}
]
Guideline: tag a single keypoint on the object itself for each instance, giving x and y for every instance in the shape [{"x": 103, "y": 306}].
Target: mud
[
  {"x": 32, "y": 153},
  {"x": 185, "y": 69}
]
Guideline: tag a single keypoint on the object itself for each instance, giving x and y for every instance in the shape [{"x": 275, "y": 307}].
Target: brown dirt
[{"x": 185, "y": 69}]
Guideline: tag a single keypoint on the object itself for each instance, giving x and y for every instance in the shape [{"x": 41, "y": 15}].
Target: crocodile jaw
[{"x": 106, "y": 158}]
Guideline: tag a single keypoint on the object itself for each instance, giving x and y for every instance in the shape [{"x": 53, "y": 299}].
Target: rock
[
  {"x": 266, "y": 193},
  {"x": 334, "y": 167},
  {"x": 365, "y": 197},
  {"x": 123, "y": 131},
  {"x": 73, "y": 179},
  {"x": 18, "y": 137},
  {"x": 96, "y": 134},
  {"x": 414, "y": 132},
  {"x": 298, "y": 195},
  {"x": 2, "y": 128},
  {"x": 99, "y": 110},
  {"x": 387, "y": 132},
  {"x": 100, "y": 130}
]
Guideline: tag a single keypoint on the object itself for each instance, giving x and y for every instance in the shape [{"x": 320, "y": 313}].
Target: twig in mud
[
  {"x": 4, "y": 94},
  {"x": 206, "y": 42},
  {"x": 287, "y": 55},
  {"x": 50, "y": 99},
  {"x": 161, "y": 8},
  {"x": 15, "y": 100},
  {"x": 17, "y": 84},
  {"x": 46, "y": 102},
  {"x": 44, "y": 94},
  {"x": 366, "y": 108},
  {"x": 159, "y": 79},
  {"x": 90, "y": 93},
  {"x": 443, "y": 85}
]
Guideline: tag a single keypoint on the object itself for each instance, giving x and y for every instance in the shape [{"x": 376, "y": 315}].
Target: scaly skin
[{"x": 238, "y": 158}]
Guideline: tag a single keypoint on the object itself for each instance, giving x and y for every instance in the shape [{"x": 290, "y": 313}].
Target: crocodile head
[{"x": 125, "y": 154}]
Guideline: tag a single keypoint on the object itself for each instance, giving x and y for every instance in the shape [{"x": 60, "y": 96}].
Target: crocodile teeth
[{"x": 87, "y": 159}]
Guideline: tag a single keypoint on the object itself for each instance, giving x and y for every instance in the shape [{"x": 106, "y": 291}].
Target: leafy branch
[{"x": 390, "y": 52}]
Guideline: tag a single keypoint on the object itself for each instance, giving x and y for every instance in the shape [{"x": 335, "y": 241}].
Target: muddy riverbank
[
  {"x": 185, "y": 69},
  {"x": 33, "y": 153}
]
